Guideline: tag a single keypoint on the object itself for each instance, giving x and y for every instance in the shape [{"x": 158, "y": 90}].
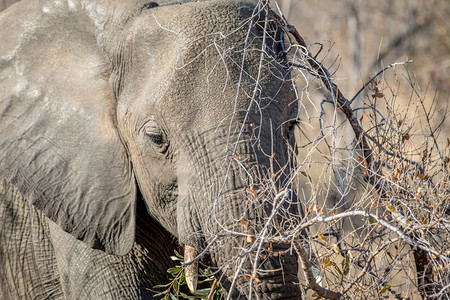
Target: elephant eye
[
  {"x": 156, "y": 137},
  {"x": 150, "y": 5}
]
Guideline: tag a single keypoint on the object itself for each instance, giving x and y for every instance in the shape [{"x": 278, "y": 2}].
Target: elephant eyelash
[
  {"x": 159, "y": 143},
  {"x": 156, "y": 138},
  {"x": 150, "y": 5}
]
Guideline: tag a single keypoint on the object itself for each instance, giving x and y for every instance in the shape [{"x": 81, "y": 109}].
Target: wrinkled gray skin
[{"x": 121, "y": 124}]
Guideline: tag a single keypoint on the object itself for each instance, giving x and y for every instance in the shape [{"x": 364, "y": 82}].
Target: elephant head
[{"x": 185, "y": 104}]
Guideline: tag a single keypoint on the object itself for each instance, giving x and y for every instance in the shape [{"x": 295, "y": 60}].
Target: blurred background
[
  {"x": 356, "y": 39},
  {"x": 366, "y": 35}
]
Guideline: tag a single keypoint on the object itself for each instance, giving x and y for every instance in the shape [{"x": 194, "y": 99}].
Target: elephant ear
[{"x": 58, "y": 141}]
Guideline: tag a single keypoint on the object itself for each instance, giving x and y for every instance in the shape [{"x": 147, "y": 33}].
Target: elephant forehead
[
  {"x": 193, "y": 61},
  {"x": 207, "y": 17},
  {"x": 193, "y": 25},
  {"x": 159, "y": 3}
]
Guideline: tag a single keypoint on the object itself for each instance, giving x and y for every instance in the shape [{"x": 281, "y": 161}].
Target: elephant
[{"x": 130, "y": 129}]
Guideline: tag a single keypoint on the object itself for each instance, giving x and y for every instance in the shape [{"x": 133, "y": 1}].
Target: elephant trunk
[
  {"x": 250, "y": 264},
  {"x": 273, "y": 276},
  {"x": 235, "y": 201}
]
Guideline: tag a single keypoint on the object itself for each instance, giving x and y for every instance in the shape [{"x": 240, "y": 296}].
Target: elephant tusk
[{"x": 191, "y": 271}]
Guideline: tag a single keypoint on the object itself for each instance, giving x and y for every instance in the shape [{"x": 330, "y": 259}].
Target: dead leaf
[
  {"x": 336, "y": 248},
  {"x": 405, "y": 137},
  {"x": 253, "y": 192},
  {"x": 327, "y": 263},
  {"x": 385, "y": 289},
  {"x": 378, "y": 95},
  {"x": 422, "y": 176},
  {"x": 322, "y": 237},
  {"x": 244, "y": 224},
  {"x": 391, "y": 208},
  {"x": 395, "y": 174},
  {"x": 350, "y": 254},
  {"x": 317, "y": 208}
]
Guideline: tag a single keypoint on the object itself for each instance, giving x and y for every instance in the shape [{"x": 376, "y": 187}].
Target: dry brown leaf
[
  {"x": 335, "y": 248},
  {"x": 244, "y": 224},
  {"x": 322, "y": 237},
  {"x": 395, "y": 174},
  {"x": 327, "y": 263}
]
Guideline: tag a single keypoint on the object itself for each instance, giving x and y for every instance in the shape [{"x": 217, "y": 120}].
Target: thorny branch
[
  {"x": 382, "y": 230},
  {"x": 310, "y": 278},
  {"x": 397, "y": 230},
  {"x": 338, "y": 97},
  {"x": 373, "y": 174}
]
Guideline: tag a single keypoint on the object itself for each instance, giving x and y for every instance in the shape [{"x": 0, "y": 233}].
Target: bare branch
[{"x": 311, "y": 280}]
